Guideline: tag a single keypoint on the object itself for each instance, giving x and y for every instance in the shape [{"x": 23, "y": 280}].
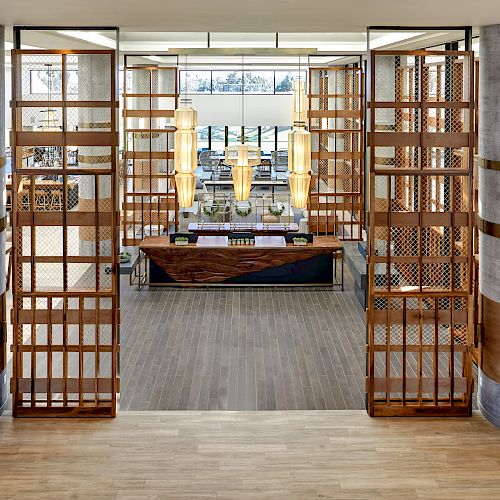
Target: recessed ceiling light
[
  {"x": 391, "y": 38},
  {"x": 91, "y": 37},
  {"x": 154, "y": 58}
]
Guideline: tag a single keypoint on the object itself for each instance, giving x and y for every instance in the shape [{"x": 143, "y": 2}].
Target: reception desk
[{"x": 271, "y": 261}]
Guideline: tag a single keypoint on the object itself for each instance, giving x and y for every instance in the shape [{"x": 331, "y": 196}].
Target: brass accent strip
[
  {"x": 146, "y": 135},
  {"x": 490, "y": 311},
  {"x": 3, "y": 223},
  {"x": 94, "y": 159},
  {"x": 489, "y": 164},
  {"x": 3, "y": 161},
  {"x": 94, "y": 125},
  {"x": 489, "y": 228}
]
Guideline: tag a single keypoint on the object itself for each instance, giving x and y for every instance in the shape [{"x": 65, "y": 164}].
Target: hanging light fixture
[
  {"x": 299, "y": 148},
  {"x": 242, "y": 158},
  {"x": 185, "y": 152},
  {"x": 299, "y": 100}
]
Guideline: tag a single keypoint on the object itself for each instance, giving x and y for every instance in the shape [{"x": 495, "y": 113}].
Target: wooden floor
[
  {"x": 241, "y": 349},
  {"x": 236, "y": 455}
]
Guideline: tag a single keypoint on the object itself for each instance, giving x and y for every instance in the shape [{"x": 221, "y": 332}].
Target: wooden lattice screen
[
  {"x": 65, "y": 233},
  {"x": 149, "y": 196},
  {"x": 420, "y": 323},
  {"x": 337, "y": 127}
]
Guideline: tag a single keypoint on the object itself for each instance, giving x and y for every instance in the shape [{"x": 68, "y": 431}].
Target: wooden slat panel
[
  {"x": 142, "y": 175},
  {"x": 57, "y": 218},
  {"x": 419, "y": 253},
  {"x": 67, "y": 138},
  {"x": 147, "y": 155},
  {"x": 401, "y": 219},
  {"x": 341, "y": 168},
  {"x": 335, "y": 113},
  {"x": 54, "y": 287},
  {"x": 72, "y": 316},
  {"x": 339, "y": 155},
  {"x": 146, "y": 113}
]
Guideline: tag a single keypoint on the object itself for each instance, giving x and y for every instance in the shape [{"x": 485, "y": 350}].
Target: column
[
  {"x": 3, "y": 324},
  {"x": 489, "y": 222},
  {"x": 94, "y": 84}
]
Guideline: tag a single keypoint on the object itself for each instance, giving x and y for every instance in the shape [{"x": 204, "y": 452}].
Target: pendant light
[
  {"x": 242, "y": 157},
  {"x": 299, "y": 99},
  {"x": 299, "y": 148},
  {"x": 185, "y": 152},
  {"x": 49, "y": 123}
]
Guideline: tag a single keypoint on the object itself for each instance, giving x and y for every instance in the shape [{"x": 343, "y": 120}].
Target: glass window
[
  {"x": 284, "y": 81},
  {"x": 259, "y": 82},
  {"x": 202, "y": 133},
  {"x": 233, "y": 135},
  {"x": 226, "y": 82},
  {"x": 252, "y": 135},
  {"x": 283, "y": 137},
  {"x": 267, "y": 135},
  {"x": 195, "y": 82},
  {"x": 218, "y": 142}
]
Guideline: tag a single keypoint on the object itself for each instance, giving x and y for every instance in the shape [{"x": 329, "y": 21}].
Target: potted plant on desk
[
  {"x": 300, "y": 241},
  {"x": 181, "y": 240}
]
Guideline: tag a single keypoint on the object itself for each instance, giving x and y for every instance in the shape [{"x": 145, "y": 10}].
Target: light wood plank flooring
[
  {"x": 242, "y": 455},
  {"x": 241, "y": 349}
]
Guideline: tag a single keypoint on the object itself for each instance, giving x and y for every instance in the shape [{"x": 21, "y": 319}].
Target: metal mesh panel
[
  {"x": 65, "y": 223},
  {"x": 336, "y": 124},
  {"x": 149, "y": 196},
  {"x": 420, "y": 233}
]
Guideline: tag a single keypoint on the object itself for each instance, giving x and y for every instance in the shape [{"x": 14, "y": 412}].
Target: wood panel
[
  {"x": 420, "y": 233},
  {"x": 336, "y": 122},
  {"x": 244, "y": 455},
  {"x": 65, "y": 236},
  {"x": 149, "y": 99}
]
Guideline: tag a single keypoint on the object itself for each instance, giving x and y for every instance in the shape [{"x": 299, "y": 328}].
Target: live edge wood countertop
[
  {"x": 269, "y": 242},
  {"x": 212, "y": 260}
]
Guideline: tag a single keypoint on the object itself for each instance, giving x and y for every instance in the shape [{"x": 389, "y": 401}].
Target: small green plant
[
  {"x": 243, "y": 211},
  {"x": 181, "y": 238}
]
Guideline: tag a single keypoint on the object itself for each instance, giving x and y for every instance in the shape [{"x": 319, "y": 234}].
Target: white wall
[
  {"x": 225, "y": 109},
  {"x": 8, "y": 109}
]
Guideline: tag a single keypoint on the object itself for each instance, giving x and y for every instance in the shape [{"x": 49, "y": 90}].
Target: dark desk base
[{"x": 316, "y": 271}]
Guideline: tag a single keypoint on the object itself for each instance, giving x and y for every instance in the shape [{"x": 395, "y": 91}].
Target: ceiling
[{"x": 249, "y": 16}]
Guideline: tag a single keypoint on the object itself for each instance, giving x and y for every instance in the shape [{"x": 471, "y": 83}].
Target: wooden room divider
[
  {"x": 420, "y": 320},
  {"x": 336, "y": 122},
  {"x": 65, "y": 233},
  {"x": 149, "y": 196}
]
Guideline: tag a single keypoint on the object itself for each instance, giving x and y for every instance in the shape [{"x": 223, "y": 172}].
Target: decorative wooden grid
[
  {"x": 420, "y": 327},
  {"x": 337, "y": 126},
  {"x": 149, "y": 195},
  {"x": 65, "y": 235}
]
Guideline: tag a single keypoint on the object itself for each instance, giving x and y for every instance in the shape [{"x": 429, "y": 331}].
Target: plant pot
[
  {"x": 181, "y": 243},
  {"x": 300, "y": 243}
]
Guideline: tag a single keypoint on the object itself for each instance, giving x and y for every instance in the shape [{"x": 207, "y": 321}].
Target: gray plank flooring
[{"x": 241, "y": 349}]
